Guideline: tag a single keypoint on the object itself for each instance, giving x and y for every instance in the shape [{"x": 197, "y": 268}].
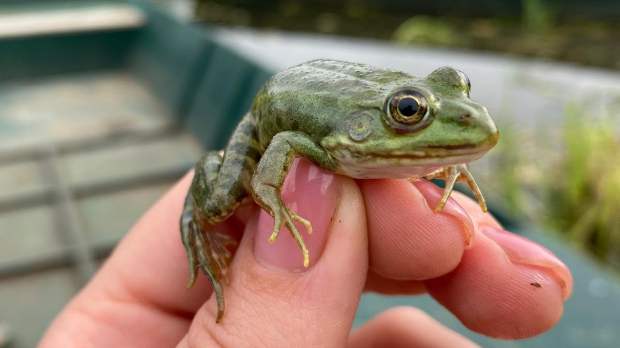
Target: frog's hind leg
[
  {"x": 206, "y": 250},
  {"x": 220, "y": 185}
]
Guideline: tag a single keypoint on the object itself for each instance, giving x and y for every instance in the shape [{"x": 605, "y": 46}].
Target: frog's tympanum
[{"x": 350, "y": 119}]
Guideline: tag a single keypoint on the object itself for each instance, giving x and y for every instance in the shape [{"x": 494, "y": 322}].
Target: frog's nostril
[{"x": 465, "y": 118}]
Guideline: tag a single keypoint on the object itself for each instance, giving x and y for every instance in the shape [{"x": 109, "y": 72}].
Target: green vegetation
[
  {"x": 584, "y": 203},
  {"x": 572, "y": 187},
  {"x": 537, "y": 35},
  {"x": 577, "y": 32},
  {"x": 427, "y": 30},
  {"x": 538, "y": 15}
]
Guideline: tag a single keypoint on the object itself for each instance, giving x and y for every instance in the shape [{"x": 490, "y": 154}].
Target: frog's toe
[
  {"x": 187, "y": 236},
  {"x": 437, "y": 174},
  {"x": 453, "y": 175},
  {"x": 285, "y": 216},
  {"x": 450, "y": 181},
  {"x": 213, "y": 264},
  {"x": 466, "y": 174},
  {"x": 303, "y": 221},
  {"x": 193, "y": 274},
  {"x": 277, "y": 225},
  {"x": 450, "y": 175},
  {"x": 290, "y": 217}
]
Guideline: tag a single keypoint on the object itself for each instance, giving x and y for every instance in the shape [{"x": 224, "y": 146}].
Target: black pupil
[{"x": 408, "y": 106}]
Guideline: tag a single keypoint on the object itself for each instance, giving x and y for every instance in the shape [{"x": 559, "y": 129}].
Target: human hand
[{"x": 369, "y": 235}]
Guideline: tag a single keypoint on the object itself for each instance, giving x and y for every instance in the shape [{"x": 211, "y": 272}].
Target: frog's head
[{"x": 413, "y": 127}]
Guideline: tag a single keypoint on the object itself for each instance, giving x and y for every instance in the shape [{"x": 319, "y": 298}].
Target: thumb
[{"x": 272, "y": 300}]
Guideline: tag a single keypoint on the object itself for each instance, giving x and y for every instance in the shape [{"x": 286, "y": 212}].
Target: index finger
[{"x": 497, "y": 284}]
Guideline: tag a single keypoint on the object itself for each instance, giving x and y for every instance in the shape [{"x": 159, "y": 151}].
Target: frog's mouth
[
  {"x": 365, "y": 165},
  {"x": 430, "y": 154},
  {"x": 421, "y": 156}
]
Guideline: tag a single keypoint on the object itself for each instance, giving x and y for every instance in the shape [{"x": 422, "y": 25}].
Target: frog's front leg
[
  {"x": 452, "y": 175},
  {"x": 269, "y": 177}
]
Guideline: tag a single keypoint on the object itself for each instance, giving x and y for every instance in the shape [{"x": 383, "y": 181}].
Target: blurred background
[{"x": 104, "y": 104}]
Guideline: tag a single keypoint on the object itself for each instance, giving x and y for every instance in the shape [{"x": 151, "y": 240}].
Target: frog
[{"x": 351, "y": 119}]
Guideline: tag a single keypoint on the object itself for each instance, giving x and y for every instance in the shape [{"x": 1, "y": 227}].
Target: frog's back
[{"x": 311, "y": 97}]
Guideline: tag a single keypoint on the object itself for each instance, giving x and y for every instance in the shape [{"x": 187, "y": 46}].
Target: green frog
[{"x": 351, "y": 119}]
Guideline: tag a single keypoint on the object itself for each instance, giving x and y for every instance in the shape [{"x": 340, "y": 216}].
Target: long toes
[
  {"x": 446, "y": 192},
  {"x": 277, "y": 225},
  {"x": 481, "y": 202},
  {"x": 303, "y": 221},
  {"x": 208, "y": 259},
  {"x": 298, "y": 238},
  {"x": 469, "y": 179},
  {"x": 193, "y": 275},
  {"x": 440, "y": 206},
  {"x": 207, "y": 253},
  {"x": 306, "y": 259},
  {"x": 217, "y": 246},
  {"x": 223, "y": 251},
  {"x": 191, "y": 255},
  {"x": 439, "y": 174},
  {"x": 219, "y": 297}
]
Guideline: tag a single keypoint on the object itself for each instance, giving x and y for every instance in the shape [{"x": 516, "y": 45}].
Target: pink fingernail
[
  {"x": 311, "y": 193},
  {"x": 433, "y": 194},
  {"x": 524, "y": 251}
]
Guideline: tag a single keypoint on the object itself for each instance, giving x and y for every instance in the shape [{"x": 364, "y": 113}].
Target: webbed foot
[
  {"x": 453, "y": 175},
  {"x": 213, "y": 258},
  {"x": 206, "y": 250}
]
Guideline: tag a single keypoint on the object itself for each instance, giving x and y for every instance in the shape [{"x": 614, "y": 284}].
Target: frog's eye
[{"x": 407, "y": 110}]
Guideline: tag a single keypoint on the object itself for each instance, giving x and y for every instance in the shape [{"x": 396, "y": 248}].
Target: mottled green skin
[
  {"x": 316, "y": 99},
  {"x": 334, "y": 114}
]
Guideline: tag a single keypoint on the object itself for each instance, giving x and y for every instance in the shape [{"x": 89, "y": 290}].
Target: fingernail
[
  {"x": 523, "y": 251},
  {"x": 311, "y": 193},
  {"x": 433, "y": 194}
]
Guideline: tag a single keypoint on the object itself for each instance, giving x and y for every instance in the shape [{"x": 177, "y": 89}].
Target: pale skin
[{"x": 138, "y": 298}]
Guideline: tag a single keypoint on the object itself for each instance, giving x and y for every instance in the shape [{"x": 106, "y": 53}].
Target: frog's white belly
[
  {"x": 396, "y": 168},
  {"x": 368, "y": 171}
]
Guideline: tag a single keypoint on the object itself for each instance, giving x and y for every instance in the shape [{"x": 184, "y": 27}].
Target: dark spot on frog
[
  {"x": 536, "y": 285},
  {"x": 465, "y": 119}
]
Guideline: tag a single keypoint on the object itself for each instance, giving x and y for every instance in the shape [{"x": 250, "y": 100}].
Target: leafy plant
[
  {"x": 538, "y": 15},
  {"x": 427, "y": 30},
  {"x": 583, "y": 200},
  {"x": 572, "y": 187}
]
